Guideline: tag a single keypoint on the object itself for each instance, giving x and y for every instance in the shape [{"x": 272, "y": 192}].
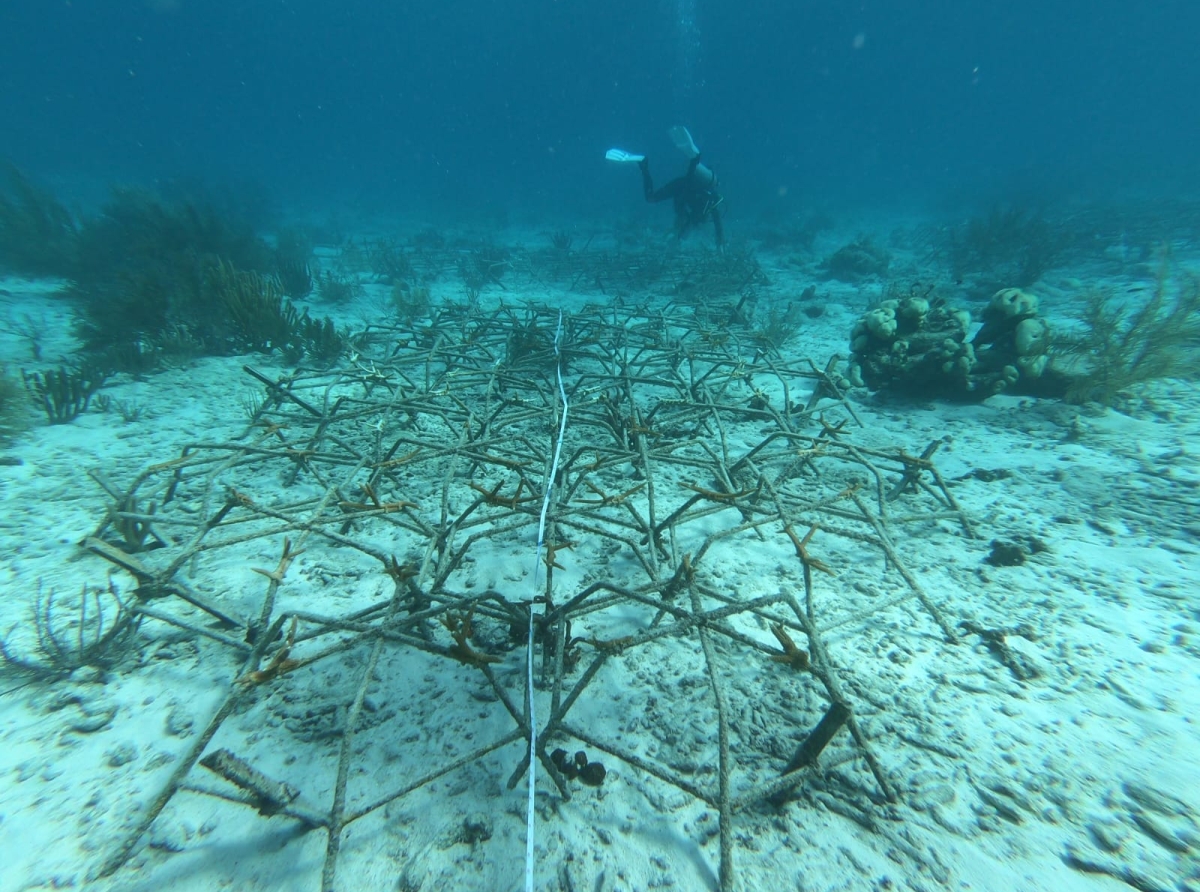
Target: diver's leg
[
  {"x": 669, "y": 191},
  {"x": 647, "y": 180}
]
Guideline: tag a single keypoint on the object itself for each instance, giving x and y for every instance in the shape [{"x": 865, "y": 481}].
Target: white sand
[{"x": 1003, "y": 784}]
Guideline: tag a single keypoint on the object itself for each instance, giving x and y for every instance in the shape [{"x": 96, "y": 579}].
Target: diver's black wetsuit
[{"x": 695, "y": 196}]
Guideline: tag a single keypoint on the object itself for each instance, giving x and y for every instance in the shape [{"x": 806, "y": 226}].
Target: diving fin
[
  {"x": 623, "y": 157},
  {"x": 683, "y": 141}
]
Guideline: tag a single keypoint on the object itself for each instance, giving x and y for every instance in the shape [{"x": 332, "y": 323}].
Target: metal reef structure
[{"x": 689, "y": 450}]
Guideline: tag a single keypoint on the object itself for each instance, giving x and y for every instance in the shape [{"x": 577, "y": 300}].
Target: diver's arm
[{"x": 718, "y": 228}]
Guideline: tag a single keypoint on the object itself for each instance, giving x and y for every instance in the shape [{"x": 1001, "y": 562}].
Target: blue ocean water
[{"x": 457, "y": 103}]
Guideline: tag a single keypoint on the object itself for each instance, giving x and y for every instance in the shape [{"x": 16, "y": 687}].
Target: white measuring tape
[{"x": 541, "y": 542}]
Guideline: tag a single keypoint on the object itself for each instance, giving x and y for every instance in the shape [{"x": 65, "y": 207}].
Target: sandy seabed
[{"x": 1047, "y": 742}]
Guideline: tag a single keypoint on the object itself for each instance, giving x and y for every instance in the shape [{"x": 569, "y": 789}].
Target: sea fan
[{"x": 1119, "y": 346}]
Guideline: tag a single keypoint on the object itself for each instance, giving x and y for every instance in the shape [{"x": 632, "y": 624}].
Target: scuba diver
[{"x": 694, "y": 194}]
